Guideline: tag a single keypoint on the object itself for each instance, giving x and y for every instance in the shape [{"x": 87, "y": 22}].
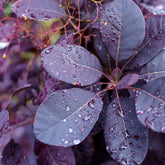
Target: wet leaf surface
[
  {"x": 153, "y": 42},
  {"x": 122, "y": 32},
  {"x": 152, "y": 113},
  {"x": 125, "y": 136},
  {"x": 128, "y": 80},
  {"x": 60, "y": 122},
  {"x": 84, "y": 151},
  {"x": 72, "y": 64},
  {"x": 54, "y": 155},
  {"x": 155, "y": 66},
  {"x": 39, "y": 10}
]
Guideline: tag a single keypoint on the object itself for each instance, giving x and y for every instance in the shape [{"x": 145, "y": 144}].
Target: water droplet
[
  {"x": 49, "y": 50},
  {"x": 57, "y": 73},
  {"x": 87, "y": 117},
  {"x": 113, "y": 40},
  {"x": 139, "y": 112},
  {"x": 70, "y": 130},
  {"x": 76, "y": 141},
  {"x": 74, "y": 66},
  {"x": 123, "y": 146},
  {"x": 149, "y": 109},
  {"x": 114, "y": 105},
  {"x": 64, "y": 120},
  {"x": 64, "y": 90},
  {"x": 69, "y": 48},
  {"x": 112, "y": 128},
  {"x": 66, "y": 142},
  {"x": 163, "y": 129},
  {"x": 107, "y": 147},
  {"x": 124, "y": 162},
  {"x": 91, "y": 104},
  {"x": 64, "y": 71},
  {"x": 67, "y": 107},
  {"x": 157, "y": 93},
  {"x": 114, "y": 152}
]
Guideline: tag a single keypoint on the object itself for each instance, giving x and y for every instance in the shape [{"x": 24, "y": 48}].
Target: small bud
[
  {"x": 24, "y": 17},
  {"x": 4, "y": 56},
  {"x": 88, "y": 21},
  {"x": 74, "y": 83}
]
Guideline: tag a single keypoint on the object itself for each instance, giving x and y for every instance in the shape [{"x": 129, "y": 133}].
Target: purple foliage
[
  {"x": 39, "y": 10},
  {"x": 56, "y": 121},
  {"x": 89, "y": 76},
  {"x": 116, "y": 22}
]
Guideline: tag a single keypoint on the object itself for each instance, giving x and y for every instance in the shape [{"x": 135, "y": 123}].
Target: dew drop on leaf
[
  {"x": 48, "y": 50},
  {"x": 57, "y": 73},
  {"x": 91, "y": 104},
  {"x": 70, "y": 130},
  {"x": 67, "y": 107},
  {"x": 76, "y": 141},
  {"x": 87, "y": 117}
]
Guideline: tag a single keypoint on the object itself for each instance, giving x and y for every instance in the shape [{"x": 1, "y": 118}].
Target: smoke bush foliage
[{"x": 82, "y": 76}]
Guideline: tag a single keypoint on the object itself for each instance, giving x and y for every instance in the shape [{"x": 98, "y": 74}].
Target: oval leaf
[
  {"x": 153, "y": 43},
  {"x": 152, "y": 113},
  {"x": 39, "y": 10},
  {"x": 155, "y": 68},
  {"x": 127, "y": 80},
  {"x": 67, "y": 116},
  {"x": 13, "y": 154},
  {"x": 125, "y": 136},
  {"x": 72, "y": 64},
  {"x": 54, "y": 155},
  {"x": 122, "y": 32}
]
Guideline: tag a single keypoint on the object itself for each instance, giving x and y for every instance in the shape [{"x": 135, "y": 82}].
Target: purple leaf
[
  {"x": 13, "y": 154},
  {"x": 125, "y": 136},
  {"x": 154, "y": 68},
  {"x": 153, "y": 43},
  {"x": 122, "y": 32},
  {"x": 128, "y": 80},
  {"x": 38, "y": 10},
  {"x": 150, "y": 107},
  {"x": 72, "y": 64},
  {"x": 3, "y": 124},
  {"x": 67, "y": 116},
  {"x": 54, "y": 155},
  {"x": 100, "y": 48},
  {"x": 84, "y": 151}
]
